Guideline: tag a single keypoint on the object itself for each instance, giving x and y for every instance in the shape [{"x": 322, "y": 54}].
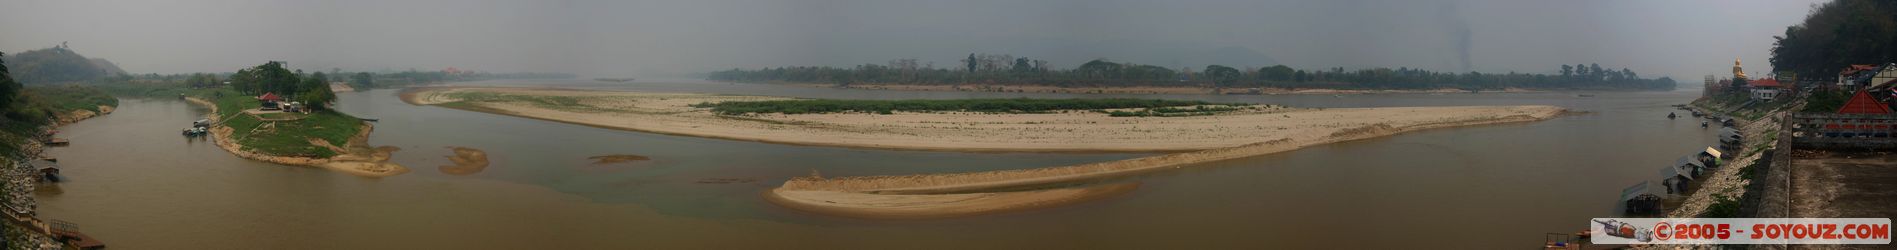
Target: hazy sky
[{"x": 1679, "y": 38}]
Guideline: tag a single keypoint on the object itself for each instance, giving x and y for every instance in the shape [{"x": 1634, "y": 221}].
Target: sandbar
[{"x": 1189, "y": 140}]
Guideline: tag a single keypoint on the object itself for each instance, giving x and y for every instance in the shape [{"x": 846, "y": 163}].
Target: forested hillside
[
  {"x": 1837, "y": 34},
  {"x": 58, "y": 65}
]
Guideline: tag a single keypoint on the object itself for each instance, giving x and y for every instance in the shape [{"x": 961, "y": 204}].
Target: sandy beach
[
  {"x": 1255, "y": 130},
  {"x": 1130, "y": 89},
  {"x": 1069, "y": 131}
]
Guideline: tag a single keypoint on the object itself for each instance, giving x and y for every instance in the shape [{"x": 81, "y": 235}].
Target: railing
[{"x": 1847, "y": 131}]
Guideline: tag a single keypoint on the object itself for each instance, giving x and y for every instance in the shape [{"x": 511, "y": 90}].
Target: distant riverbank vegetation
[
  {"x": 61, "y": 65},
  {"x": 1009, "y": 70},
  {"x": 1018, "y": 105},
  {"x": 173, "y": 84}
]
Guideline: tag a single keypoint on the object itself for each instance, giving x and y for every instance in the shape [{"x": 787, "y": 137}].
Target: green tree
[
  {"x": 972, "y": 62},
  {"x": 362, "y": 80},
  {"x": 1221, "y": 75},
  {"x": 1837, "y": 34},
  {"x": 1595, "y": 72},
  {"x": 1022, "y": 66},
  {"x": 316, "y": 92},
  {"x": 1276, "y": 73},
  {"x": 9, "y": 89},
  {"x": 1581, "y": 73}
]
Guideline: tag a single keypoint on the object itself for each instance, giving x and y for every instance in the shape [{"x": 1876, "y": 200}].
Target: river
[{"x": 135, "y": 184}]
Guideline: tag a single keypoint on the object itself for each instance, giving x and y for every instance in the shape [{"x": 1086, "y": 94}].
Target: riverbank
[
  {"x": 1059, "y": 131},
  {"x": 1250, "y": 131},
  {"x": 22, "y": 141},
  {"x": 1139, "y": 89},
  {"x": 354, "y": 157}
]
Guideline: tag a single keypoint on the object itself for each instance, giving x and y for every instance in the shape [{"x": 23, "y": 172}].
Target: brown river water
[{"x": 136, "y": 184}]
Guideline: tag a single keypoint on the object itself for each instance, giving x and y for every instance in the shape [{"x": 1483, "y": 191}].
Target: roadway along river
[{"x": 136, "y": 184}]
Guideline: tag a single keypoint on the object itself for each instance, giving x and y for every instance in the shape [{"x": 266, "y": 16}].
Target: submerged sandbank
[
  {"x": 466, "y": 160},
  {"x": 1248, "y": 132},
  {"x": 900, "y": 206},
  {"x": 610, "y": 159}
]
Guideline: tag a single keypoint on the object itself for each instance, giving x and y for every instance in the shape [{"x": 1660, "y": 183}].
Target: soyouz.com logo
[{"x": 1740, "y": 230}]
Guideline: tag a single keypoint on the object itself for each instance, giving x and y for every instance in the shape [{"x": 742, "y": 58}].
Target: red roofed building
[
  {"x": 1765, "y": 83},
  {"x": 1862, "y": 103},
  {"x": 269, "y": 100},
  {"x": 1851, "y": 74},
  {"x": 1765, "y": 89}
]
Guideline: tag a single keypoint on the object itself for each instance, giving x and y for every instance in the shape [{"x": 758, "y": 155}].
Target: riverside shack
[
  {"x": 269, "y": 101},
  {"x": 1675, "y": 180},
  {"x": 1690, "y": 165},
  {"x": 1730, "y": 139},
  {"x": 1710, "y": 157}
]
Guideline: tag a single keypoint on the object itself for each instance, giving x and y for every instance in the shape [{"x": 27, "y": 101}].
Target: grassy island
[{"x": 281, "y": 134}]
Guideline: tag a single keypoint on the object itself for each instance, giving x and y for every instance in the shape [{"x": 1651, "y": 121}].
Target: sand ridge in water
[
  {"x": 373, "y": 162},
  {"x": 610, "y": 159},
  {"x": 466, "y": 160}
]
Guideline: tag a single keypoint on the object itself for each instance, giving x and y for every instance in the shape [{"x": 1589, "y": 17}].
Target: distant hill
[
  {"x": 1169, "y": 55},
  {"x": 57, "y": 65},
  {"x": 109, "y": 67},
  {"x": 1233, "y": 56}
]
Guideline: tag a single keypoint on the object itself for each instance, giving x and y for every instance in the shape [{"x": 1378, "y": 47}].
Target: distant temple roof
[
  {"x": 1765, "y": 83},
  {"x": 1862, "y": 103}
]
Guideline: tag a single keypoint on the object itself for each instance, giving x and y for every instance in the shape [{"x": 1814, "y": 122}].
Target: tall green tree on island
[{"x": 316, "y": 92}]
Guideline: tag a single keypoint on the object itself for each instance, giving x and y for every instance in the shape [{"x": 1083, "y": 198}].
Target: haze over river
[{"x": 136, "y": 184}]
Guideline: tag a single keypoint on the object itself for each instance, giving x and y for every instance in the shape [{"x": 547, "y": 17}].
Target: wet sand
[
  {"x": 885, "y": 206},
  {"x": 927, "y": 190},
  {"x": 1256, "y": 131}
]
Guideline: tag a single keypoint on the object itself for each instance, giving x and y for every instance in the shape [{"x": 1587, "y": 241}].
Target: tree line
[
  {"x": 272, "y": 78},
  {"x": 1009, "y": 70}
]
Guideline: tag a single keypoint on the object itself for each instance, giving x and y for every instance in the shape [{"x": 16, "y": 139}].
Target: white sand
[
  {"x": 1257, "y": 131},
  {"x": 670, "y": 113}
]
